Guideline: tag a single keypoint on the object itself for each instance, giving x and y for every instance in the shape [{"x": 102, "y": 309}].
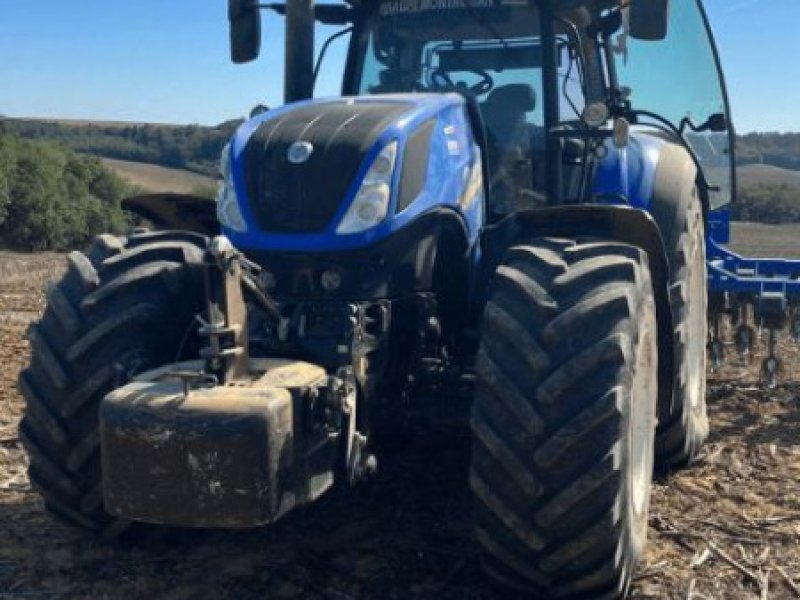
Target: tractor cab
[
  {"x": 544, "y": 83},
  {"x": 493, "y": 58}
]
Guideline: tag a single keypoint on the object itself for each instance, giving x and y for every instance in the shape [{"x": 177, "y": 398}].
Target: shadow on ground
[{"x": 405, "y": 535}]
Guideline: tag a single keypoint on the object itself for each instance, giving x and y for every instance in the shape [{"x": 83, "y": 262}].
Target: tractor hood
[
  {"x": 300, "y": 165},
  {"x": 296, "y": 171}
]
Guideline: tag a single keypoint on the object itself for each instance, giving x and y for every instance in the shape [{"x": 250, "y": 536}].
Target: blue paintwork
[
  {"x": 718, "y": 225},
  {"x": 452, "y": 154},
  {"x": 735, "y": 274},
  {"x": 730, "y": 272},
  {"x": 626, "y": 175}
]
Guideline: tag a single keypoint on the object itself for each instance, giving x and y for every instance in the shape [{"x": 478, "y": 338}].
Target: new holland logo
[{"x": 300, "y": 152}]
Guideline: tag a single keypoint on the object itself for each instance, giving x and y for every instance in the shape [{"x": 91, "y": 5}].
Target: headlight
[
  {"x": 228, "y": 211},
  {"x": 371, "y": 204}
]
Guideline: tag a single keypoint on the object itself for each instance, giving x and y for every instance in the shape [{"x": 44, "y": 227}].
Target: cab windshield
[{"x": 489, "y": 51}]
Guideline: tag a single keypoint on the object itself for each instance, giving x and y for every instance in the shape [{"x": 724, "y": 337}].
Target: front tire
[
  {"x": 564, "y": 418},
  {"x": 125, "y": 307}
]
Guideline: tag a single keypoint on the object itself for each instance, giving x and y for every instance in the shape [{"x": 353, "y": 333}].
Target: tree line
[
  {"x": 52, "y": 198},
  {"x": 776, "y": 149}
]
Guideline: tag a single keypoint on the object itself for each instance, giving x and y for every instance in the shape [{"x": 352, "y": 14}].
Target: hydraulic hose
[{"x": 267, "y": 304}]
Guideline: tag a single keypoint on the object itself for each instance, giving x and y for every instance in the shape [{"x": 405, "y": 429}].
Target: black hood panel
[{"x": 303, "y": 198}]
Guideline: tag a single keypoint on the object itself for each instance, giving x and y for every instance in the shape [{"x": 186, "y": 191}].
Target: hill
[
  {"x": 758, "y": 174},
  {"x": 153, "y": 178},
  {"x": 197, "y": 148},
  {"x": 191, "y": 147},
  {"x": 164, "y": 157}
]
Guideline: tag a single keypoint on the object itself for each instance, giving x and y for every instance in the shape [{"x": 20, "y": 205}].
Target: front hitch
[
  {"x": 226, "y": 354},
  {"x": 228, "y": 440}
]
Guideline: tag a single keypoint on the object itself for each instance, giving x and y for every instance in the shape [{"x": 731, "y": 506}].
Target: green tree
[{"x": 54, "y": 199}]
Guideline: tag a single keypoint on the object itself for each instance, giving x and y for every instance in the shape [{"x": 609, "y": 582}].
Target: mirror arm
[
  {"x": 715, "y": 123},
  {"x": 279, "y": 8},
  {"x": 325, "y": 47},
  {"x": 326, "y": 14}
]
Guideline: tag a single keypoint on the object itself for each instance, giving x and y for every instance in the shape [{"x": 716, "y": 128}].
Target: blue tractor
[{"x": 509, "y": 203}]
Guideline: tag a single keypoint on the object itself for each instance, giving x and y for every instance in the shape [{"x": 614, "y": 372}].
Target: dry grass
[
  {"x": 755, "y": 174},
  {"x": 153, "y": 178},
  {"x": 22, "y": 277},
  {"x": 729, "y": 527},
  {"x": 757, "y": 239}
]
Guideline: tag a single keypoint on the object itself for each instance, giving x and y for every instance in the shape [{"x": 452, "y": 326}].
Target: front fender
[
  {"x": 621, "y": 223},
  {"x": 609, "y": 222}
]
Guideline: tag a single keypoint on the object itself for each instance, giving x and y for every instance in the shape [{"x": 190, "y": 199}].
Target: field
[
  {"x": 759, "y": 173},
  {"x": 757, "y": 239},
  {"x": 152, "y": 178},
  {"x": 729, "y": 527}
]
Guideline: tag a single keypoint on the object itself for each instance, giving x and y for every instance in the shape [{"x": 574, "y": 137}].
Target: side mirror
[
  {"x": 718, "y": 123},
  {"x": 649, "y": 19},
  {"x": 245, "y": 21},
  {"x": 334, "y": 14}
]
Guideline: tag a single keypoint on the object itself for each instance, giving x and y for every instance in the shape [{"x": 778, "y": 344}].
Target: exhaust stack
[{"x": 299, "y": 65}]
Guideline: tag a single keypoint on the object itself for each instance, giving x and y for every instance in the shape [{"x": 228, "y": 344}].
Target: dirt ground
[{"x": 729, "y": 527}]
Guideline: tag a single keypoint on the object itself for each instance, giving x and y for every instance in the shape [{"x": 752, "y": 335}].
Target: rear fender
[
  {"x": 619, "y": 223},
  {"x": 674, "y": 188}
]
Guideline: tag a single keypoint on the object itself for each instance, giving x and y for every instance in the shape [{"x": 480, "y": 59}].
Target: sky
[{"x": 168, "y": 61}]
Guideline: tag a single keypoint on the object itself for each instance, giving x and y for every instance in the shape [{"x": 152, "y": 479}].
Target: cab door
[{"x": 680, "y": 79}]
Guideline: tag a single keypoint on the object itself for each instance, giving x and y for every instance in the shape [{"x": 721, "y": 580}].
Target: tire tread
[
  {"x": 545, "y": 474},
  {"x": 77, "y": 349}
]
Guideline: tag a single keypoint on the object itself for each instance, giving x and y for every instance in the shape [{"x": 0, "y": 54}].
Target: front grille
[{"x": 303, "y": 198}]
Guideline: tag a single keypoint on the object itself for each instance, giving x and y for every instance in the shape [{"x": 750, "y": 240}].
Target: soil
[{"x": 728, "y": 527}]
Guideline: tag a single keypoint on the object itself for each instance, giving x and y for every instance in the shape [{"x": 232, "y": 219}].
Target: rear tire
[
  {"x": 683, "y": 424},
  {"x": 125, "y": 307},
  {"x": 564, "y": 418}
]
